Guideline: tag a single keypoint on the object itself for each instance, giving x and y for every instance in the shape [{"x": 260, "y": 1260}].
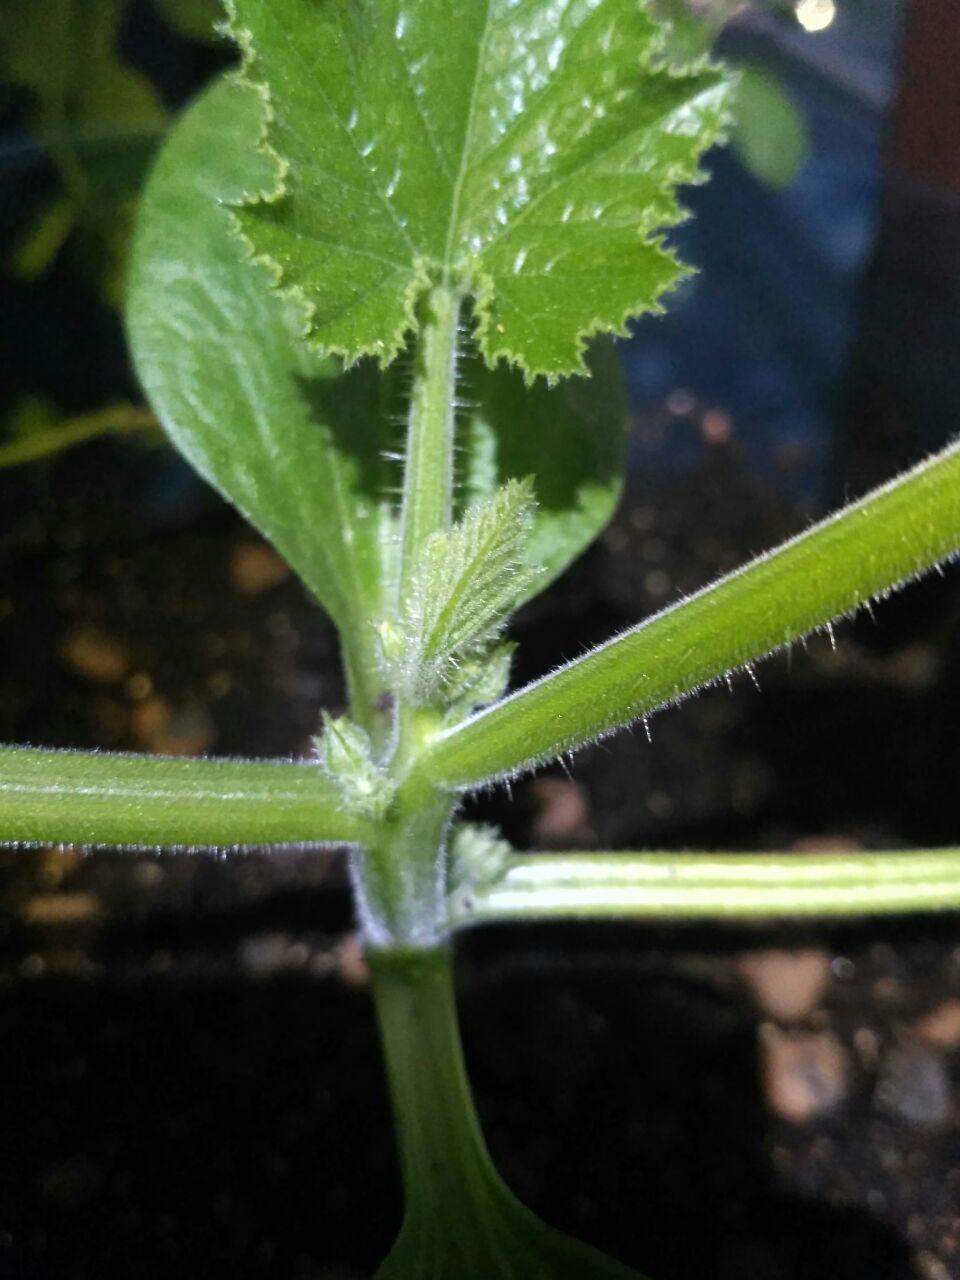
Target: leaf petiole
[
  {"x": 79, "y": 797},
  {"x": 428, "y": 468},
  {"x": 699, "y": 886},
  {"x": 892, "y": 535}
]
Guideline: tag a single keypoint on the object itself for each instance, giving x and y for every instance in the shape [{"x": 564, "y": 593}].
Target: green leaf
[
  {"x": 466, "y": 584},
  {"x": 65, "y": 53},
  {"x": 261, "y": 417},
  {"x": 84, "y": 97},
  {"x": 195, "y": 19},
  {"x": 527, "y": 154},
  {"x": 39, "y": 247},
  {"x": 76, "y": 797},
  {"x": 885, "y": 539},
  {"x": 711, "y": 886},
  {"x": 572, "y": 438},
  {"x": 769, "y": 135},
  {"x": 272, "y": 427}
]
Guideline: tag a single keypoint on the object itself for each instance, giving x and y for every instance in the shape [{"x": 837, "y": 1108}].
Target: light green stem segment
[
  {"x": 697, "y": 886},
  {"x": 888, "y": 537},
  {"x": 119, "y": 419},
  {"x": 76, "y": 797},
  {"x": 461, "y": 1222},
  {"x": 428, "y": 470}
]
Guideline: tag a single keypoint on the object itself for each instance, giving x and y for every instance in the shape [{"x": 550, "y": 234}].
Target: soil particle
[
  {"x": 351, "y": 963},
  {"x": 61, "y": 909},
  {"x": 561, "y": 813},
  {"x": 804, "y": 1073},
  {"x": 254, "y": 567},
  {"x": 95, "y": 655},
  {"x": 929, "y": 1267},
  {"x": 914, "y": 1086},
  {"x": 940, "y": 1028},
  {"x": 787, "y": 985}
]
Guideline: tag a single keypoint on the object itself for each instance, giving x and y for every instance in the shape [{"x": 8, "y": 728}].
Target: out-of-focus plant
[
  {"x": 768, "y": 133},
  {"x": 98, "y": 120}
]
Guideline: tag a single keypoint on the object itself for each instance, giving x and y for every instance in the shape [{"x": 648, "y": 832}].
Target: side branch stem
[{"x": 698, "y": 886}]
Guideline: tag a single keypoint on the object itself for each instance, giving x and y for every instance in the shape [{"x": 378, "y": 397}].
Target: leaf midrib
[{"x": 464, "y": 167}]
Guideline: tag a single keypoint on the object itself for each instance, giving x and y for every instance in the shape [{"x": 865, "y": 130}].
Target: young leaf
[
  {"x": 527, "y": 154},
  {"x": 888, "y": 537},
  {"x": 572, "y": 438},
  {"x": 78, "y": 797},
  {"x": 466, "y": 584},
  {"x": 478, "y": 681},
  {"x": 247, "y": 404}
]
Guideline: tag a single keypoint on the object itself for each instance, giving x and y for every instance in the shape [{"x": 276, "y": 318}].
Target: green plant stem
[
  {"x": 119, "y": 419},
  {"x": 444, "y": 1162},
  {"x": 695, "y": 886},
  {"x": 75, "y": 797},
  {"x": 399, "y": 875},
  {"x": 428, "y": 469},
  {"x": 888, "y": 537},
  {"x": 460, "y": 1220}
]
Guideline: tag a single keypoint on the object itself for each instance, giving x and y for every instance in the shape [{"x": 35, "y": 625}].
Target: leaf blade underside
[{"x": 261, "y": 418}]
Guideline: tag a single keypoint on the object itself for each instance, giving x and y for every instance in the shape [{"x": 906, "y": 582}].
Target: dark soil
[{"x": 191, "y": 1082}]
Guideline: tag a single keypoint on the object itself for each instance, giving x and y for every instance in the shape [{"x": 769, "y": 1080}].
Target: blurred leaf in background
[
  {"x": 67, "y": 83},
  {"x": 94, "y": 115},
  {"x": 770, "y": 135},
  {"x": 194, "y": 19}
]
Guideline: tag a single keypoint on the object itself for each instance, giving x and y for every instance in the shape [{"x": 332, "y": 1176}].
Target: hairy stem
[
  {"x": 696, "y": 886},
  {"x": 428, "y": 471},
  {"x": 444, "y": 1163},
  {"x": 400, "y": 875},
  {"x": 890, "y": 536},
  {"x": 461, "y": 1221},
  {"x": 78, "y": 797}
]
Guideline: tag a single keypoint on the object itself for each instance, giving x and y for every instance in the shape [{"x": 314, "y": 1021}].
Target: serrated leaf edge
[
  {"x": 477, "y": 282},
  {"x": 384, "y": 350},
  {"x": 484, "y": 289}
]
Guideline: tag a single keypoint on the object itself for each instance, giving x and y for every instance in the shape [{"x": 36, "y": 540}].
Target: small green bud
[
  {"x": 345, "y": 754},
  {"x": 393, "y": 642},
  {"x": 479, "y": 855},
  {"x": 478, "y": 681}
]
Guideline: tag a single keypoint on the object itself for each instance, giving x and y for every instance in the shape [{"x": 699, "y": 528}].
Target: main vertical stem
[
  {"x": 444, "y": 1162},
  {"x": 428, "y": 472},
  {"x": 461, "y": 1222}
]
